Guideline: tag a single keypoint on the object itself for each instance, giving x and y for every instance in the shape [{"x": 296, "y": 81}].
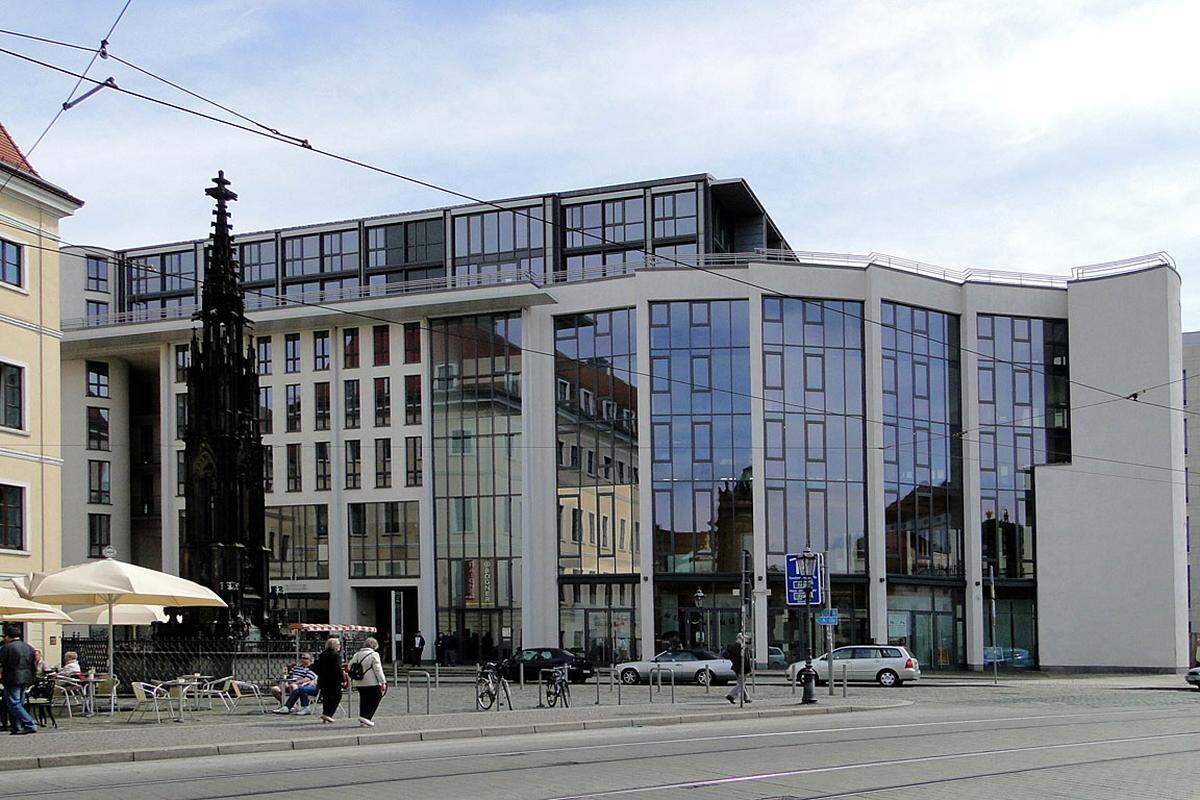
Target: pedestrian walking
[
  {"x": 736, "y": 653},
  {"x": 418, "y": 648},
  {"x": 17, "y": 662},
  {"x": 330, "y": 678},
  {"x": 366, "y": 671},
  {"x": 439, "y": 648}
]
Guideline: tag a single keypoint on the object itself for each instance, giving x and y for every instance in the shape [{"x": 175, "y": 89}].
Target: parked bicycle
[
  {"x": 558, "y": 687},
  {"x": 489, "y": 683}
]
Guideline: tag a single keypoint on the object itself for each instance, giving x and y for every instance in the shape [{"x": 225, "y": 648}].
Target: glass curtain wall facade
[
  {"x": 702, "y": 469},
  {"x": 1024, "y": 400},
  {"x": 298, "y": 537},
  {"x": 477, "y": 449},
  {"x": 814, "y": 457},
  {"x": 923, "y": 498},
  {"x": 385, "y": 539},
  {"x": 499, "y": 243},
  {"x": 595, "y": 391}
]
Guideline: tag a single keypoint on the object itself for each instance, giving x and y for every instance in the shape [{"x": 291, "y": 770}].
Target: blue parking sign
[{"x": 795, "y": 584}]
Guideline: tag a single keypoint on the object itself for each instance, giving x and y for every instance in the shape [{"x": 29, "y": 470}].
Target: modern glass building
[{"x": 602, "y": 418}]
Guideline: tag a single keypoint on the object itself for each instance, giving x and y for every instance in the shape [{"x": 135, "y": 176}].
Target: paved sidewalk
[{"x": 105, "y": 739}]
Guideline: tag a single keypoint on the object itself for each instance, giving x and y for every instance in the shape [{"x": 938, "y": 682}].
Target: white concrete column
[
  {"x": 645, "y": 483},
  {"x": 759, "y": 489},
  {"x": 168, "y": 518},
  {"x": 876, "y": 529},
  {"x": 342, "y": 605},
  {"x": 975, "y": 609},
  {"x": 427, "y": 593},
  {"x": 539, "y": 495}
]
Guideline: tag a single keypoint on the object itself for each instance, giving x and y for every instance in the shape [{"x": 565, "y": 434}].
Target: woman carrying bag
[
  {"x": 329, "y": 678},
  {"x": 366, "y": 670}
]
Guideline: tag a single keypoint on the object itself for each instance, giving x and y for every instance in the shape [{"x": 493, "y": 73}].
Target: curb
[{"x": 402, "y": 737}]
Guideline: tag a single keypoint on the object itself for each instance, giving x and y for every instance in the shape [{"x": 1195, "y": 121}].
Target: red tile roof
[{"x": 10, "y": 154}]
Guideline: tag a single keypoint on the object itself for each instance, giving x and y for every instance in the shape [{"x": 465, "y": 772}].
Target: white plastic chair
[
  {"x": 218, "y": 690},
  {"x": 148, "y": 694},
  {"x": 241, "y": 690}
]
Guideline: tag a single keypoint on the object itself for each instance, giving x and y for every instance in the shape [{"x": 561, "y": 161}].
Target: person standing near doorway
[
  {"x": 439, "y": 648},
  {"x": 736, "y": 653},
  {"x": 17, "y": 661},
  {"x": 366, "y": 671},
  {"x": 418, "y": 648}
]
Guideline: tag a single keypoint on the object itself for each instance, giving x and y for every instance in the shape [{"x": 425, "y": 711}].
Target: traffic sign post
[{"x": 828, "y": 618}]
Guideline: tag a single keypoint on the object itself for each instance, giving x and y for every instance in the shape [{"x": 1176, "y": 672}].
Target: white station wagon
[{"x": 889, "y": 665}]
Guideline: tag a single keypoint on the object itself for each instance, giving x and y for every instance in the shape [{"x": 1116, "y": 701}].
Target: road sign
[
  {"x": 795, "y": 584},
  {"x": 828, "y": 617}
]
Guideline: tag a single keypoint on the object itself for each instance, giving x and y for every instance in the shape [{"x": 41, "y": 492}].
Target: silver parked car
[
  {"x": 701, "y": 666},
  {"x": 1193, "y": 677},
  {"x": 889, "y": 665}
]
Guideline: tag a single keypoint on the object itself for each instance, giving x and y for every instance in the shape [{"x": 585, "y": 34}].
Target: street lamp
[{"x": 807, "y": 567}]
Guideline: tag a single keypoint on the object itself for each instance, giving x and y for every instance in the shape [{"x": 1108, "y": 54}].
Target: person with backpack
[{"x": 366, "y": 670}]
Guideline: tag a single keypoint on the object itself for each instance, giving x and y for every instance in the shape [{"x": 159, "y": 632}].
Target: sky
[{"x": 1023, "y": 136}]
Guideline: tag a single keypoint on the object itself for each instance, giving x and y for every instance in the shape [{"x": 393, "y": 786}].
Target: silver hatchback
[{"x": 888, "y": 665}]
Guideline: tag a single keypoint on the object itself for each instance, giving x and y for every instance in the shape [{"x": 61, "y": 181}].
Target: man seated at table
[
  {"x": 301, "y": 684},
  {"x": 70, "y": 667}
]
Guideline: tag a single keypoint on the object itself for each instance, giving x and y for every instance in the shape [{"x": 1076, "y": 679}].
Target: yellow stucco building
[{"x": 30, "y": 440}]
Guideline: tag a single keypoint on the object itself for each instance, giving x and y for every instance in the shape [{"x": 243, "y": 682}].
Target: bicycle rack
[
  {"x": 542, "y": 683},
  {"x": 660, "y": 671},
  {"x": 613, "y": 678},
  {"x": 408, "y": 673}
]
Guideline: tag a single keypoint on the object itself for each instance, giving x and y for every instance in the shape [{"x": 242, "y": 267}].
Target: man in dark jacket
[
  {"x": 17, "y": 662},
  {"x": 737, "y": 656}
]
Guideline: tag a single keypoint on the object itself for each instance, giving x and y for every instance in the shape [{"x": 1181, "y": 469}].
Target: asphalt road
[{"x": 1068, "y": 740}]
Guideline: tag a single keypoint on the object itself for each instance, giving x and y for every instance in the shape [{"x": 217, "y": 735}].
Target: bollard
[
  {"x": 844, "y": 680},
  {"x": 407, "y": 692},
  {"x": 437, "y": 683}
]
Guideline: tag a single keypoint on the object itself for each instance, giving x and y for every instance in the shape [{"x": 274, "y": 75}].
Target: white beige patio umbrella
[
  {"x": 14, "y": 608},
  {"x": 132, "y": 614},
  {"x": 114, "y": 583}
]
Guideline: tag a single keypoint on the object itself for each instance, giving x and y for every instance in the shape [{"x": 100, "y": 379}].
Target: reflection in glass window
[
  {"x": 675, "y": 215},
  {"x": 384, "y": 539},
  {"x": 499, "y": 244},
  {"x": 299, "y": 540}
]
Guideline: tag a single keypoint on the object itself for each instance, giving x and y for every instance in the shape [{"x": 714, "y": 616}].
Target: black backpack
[{"x": 357, "y": 670}]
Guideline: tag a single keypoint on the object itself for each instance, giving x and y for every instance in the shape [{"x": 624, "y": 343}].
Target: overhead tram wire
[
  {"x": 265, "y": 131},
  {"x": 83, "y": 76}
]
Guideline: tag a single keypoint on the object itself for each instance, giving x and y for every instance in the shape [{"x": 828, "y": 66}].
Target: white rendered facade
[{"x": 1099, "y": 523}]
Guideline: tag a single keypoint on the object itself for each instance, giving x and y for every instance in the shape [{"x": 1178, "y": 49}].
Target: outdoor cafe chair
[
  {"x": 69, "y": 691},
  {"x": 108, "y": 687},
  {"x": 40, "y": 700},
  {"x": 216, "y": 690},
  {"x": 241, "y": 690},
  {"x": 145, "y": 694}
]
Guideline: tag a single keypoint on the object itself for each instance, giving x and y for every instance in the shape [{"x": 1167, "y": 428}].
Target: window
[
  {"x": 99, "y": 534},
  {"x": 320, "y": 350},
  {"x": 460, "y": 443},
  {"x": 412, "y": 343},
  {"x": 97, "y": 274},
  {"x": 181, "y": 415},
  {"x": 383, "y": 463},
  {"x": 99, "y": 477},
  {"x": 412, "y": 461},
  {"x": 383, "y": 402},
  {"x": 323, "y": 466},
  {"x": 339, "y": 251},
  {"x": 258, "y": 262},
  {"x": 675, "y": 215},
  {"x": 293, "y": 407},
  {"x": 96, "y": 310},
  {"x": 321, "y": 404},
  {"x": 266, "y": 415},
  {"x": 263, "y": 351},
  {"x": 353, "y": 403},
  {"x": 412, "y": 399},
  {"x": 183, "y": 360},
  {"x": 12, "y": 396},
  {"x": 382, "y": 344},
  {"x": 12, "y": 517},
  {"x": 97, "y": 428},
  {"x": 294, "y": 478},
  {"x": 268, "y": 468},
  {"x": 10, "y": 263},
  {"x": 353, "y": 464},
  {"x": 291, "y": 344},
  {"x": 97, "y": 379},
  {"x": 180, "y": 473},
  {"x": 350, "y": 348}
]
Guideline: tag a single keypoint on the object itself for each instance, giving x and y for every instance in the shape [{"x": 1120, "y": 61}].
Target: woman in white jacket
[{"x": 366, "y": 670}]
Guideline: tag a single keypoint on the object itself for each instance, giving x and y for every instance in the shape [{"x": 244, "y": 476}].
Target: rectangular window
[
  {"x": 12, "y": 396},
  {"x": 10, "y": 264},
  {"x": 97, "y": 428},
  {"x": 291, "y": 345},
  {"x": 96, "y": 310},
  {"x": 266, "y": 415},
  {"x": 99, "y": 477},
  {"x": 181, "y": 415},
  {"x": 258, "y": 263},
  {"x": 350, "y": 348},
  {"x": 97, "y": 274},
  {"x": 180, "y": 473},
  {"x": 324, "y": 469},
  {"x": 383, "y": 463},
  {"x": 383, "y": 402},
  {"x": 294, "y": 478},
  {"x": 353, "y": 403},
  {"x": 675, "y": 215},
  {"x": 382, "y": 344},
  {"x": 99, "y": 534},
  {"x": 97, "y": 379},
  {"x": 183, "y": 360},
  {"x": 293, "y": 407},
  {"x": 320, "y": 350},
  {"x": 412, "y": 343},
  {"x": 321, "y": 406},
  {"x": 412, "y": 399},
  {"x": 412, "y": 461},
  {"x": 12, "y": 517},
  {"x": 263, "y": 351},
  {"x": 268, "y": 468},
  {"x": 353, "y": 464}
]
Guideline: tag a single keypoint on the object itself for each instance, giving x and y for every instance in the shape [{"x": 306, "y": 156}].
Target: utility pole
[
  {"x": 995, "y": 649},
  {"x": 829, "y": 628}
]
